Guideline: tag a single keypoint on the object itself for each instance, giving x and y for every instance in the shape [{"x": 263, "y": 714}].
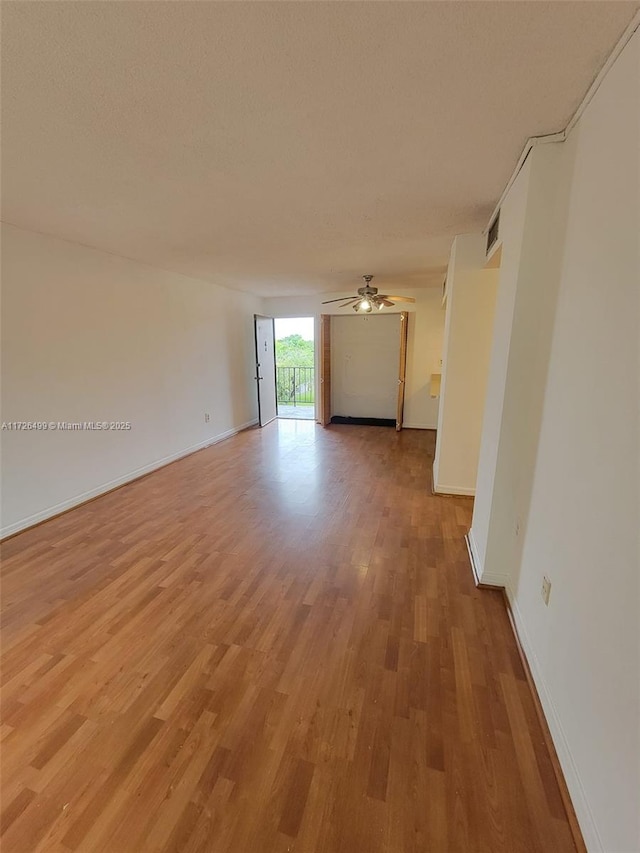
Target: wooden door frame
[{"x": 402, "y": 368}]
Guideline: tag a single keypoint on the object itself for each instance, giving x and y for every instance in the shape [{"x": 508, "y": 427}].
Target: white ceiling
[{"x": 284, "y": 147}]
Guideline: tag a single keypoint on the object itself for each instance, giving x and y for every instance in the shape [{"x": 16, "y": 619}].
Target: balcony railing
[{"x": 295, "y": 385}]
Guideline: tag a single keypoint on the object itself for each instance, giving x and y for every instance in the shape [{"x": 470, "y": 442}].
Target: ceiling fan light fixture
[{"x": 368, "y": 298}]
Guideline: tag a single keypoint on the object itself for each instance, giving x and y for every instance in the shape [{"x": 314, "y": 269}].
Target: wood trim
[
  {"x": 325, "y": 369},
  {"x": 253, "y": 425},
  {"x": 574, "y": 826},
  {"x": 402, "y": 368}
]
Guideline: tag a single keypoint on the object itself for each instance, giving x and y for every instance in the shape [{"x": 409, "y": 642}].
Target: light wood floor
[{"x": 272, "y": 645}]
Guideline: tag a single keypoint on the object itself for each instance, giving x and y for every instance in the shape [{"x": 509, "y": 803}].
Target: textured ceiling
[{"x": 284, "y": 147}]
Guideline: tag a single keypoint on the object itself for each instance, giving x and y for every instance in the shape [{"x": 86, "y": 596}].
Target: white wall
[
  {"x": 424, "y": 344},
  {"x": 471, "y": 297},
  {"x": 365, "y": 361},
  {"x": 91, "y": 336},
  {"x": 568, "y": 452},
  {"x": 512, "y": 217},
  {"x": 533, "y": 239}
]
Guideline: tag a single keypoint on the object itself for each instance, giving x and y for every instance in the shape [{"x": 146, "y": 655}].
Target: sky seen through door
[{"x": 302, "y": 326}]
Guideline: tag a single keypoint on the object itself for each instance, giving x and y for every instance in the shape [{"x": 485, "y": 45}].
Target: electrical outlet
[
  {"x": 207, "y": 417},
  {"x": 517, "y": 528},
  {"x": 546, "y": 589}
]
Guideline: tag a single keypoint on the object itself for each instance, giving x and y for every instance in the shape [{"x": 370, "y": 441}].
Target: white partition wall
[
  {"x": 470, "y": 303},
  {"x": 559, "y": 481}
]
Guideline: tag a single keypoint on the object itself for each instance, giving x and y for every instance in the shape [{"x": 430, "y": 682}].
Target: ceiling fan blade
[
  {"x": 386, "y": 302},
  {"x": 400, "y": 298},
  {"x": 342, "y": 298},
  {"x": 349, "y": 302}
]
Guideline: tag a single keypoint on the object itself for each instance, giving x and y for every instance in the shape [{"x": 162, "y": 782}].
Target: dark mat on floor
[{"x": 386, "y": 422}]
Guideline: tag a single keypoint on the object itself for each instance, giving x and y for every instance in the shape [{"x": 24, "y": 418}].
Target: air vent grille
[{"x": 492, "y": 234}]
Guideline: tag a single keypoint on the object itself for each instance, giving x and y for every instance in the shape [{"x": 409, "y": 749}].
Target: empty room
[{"x": 320, "y": 428}]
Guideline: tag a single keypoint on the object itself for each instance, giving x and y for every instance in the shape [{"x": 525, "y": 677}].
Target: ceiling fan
[{"x": 368, "y": 298}]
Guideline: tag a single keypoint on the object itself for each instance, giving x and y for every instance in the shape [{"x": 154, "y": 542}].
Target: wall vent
[{"x": 492, "y": 234}]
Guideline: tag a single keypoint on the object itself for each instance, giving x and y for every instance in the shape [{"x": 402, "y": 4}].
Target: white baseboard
[
  {"x": 408, "y": 425},
  {"x": 472, "y": 550},
  {"x": 51, "y": 511},
  {"x": 575, "y": 787},
  {"x": 442, "y": 489},
  {"x": 480, "y": 575},
  {"x": 493, "y": 579},
  {"x": 572, "y": 778}
]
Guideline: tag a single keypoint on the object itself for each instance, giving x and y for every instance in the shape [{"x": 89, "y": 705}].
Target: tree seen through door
[{"x": 295, "y": 367}]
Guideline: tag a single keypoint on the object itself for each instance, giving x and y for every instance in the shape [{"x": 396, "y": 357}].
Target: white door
[{"x": 266, "y": 369}]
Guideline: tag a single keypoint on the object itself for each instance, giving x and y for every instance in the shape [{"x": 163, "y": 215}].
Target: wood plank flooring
[{"x": 272, "y": 645}]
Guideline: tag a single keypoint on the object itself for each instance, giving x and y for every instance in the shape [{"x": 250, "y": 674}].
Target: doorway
[
  {"x": 357, "y": 369},
  {"x": 295, "y": 368}
]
